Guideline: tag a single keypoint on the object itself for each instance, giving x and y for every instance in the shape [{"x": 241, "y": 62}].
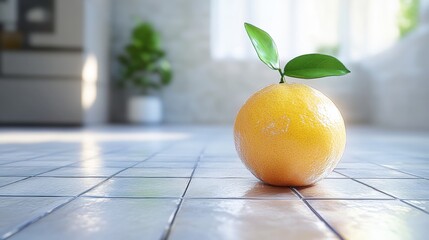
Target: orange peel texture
[{"x": 289, "y": 135}]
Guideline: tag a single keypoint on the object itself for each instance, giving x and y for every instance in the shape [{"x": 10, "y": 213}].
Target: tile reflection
[
  {"x": 87, "y": 218},
  {"x": 422, "y": 204},
  {"x": 156, "y": 172},
  {"x": 247, "y": 219},
  {"x": 82, "y": 172},
  {"x": 90, "y": 149},
  {"x": 402, "y": 188},
  {"x": 373, "y": 219},
  {"x": 50, "y": 186},
  {"x": 20, "y": 210},
  {"x": 141, "y": 187},
  {"x": 236, "y": 188},
  {"x": 340, "y": 188}
]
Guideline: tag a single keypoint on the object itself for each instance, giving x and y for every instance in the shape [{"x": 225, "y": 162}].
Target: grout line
[
  {"x": 167, "y": 231},
  {"x": 32, "y": 176},
  {"x": 35, "y": 196},
  {"x": 171, "y": 221},
  {"x": 122, "y": 197},
  {"x": 68, "y": 177},
  {"x": 402, "y": 171},
  {"x": 366, "y": 199},
  {"x": 405, "y": 201},
  {"x": 19, "y": 180},
  {"x": 252, "y": 178},
  {"x": 342, "y": 174},
  {"x": 297, "y": 193},
  {"x": 323, "y": 220},
  {"x": 54, "y": 169},
  {"x": 31, "y": 158},
  {"x": 140, "y": 176},
  {"x": 26, "y": 224},
  {"x": 117, "y": 177},
  {"x": 36, "y": 219},
  {"x": 373, "y": 188},
  {"x": 221, "y": 198},
  {"x": 40, "y": 156},
  {"x": 317, "y": 214}
]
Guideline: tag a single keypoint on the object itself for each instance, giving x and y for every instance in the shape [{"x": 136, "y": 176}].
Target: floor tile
[
  {"x": 82, "y": 172},
  {"x": 358, "y": 165},
  {"x": 16, "y": 211},
  {"x": 33, "y": 163},
  {"x": 405, "y": 162},
  {"x": 372, "y": 173},
  {"x": 166, "y": 165},
  {"x": 334, "y": 174},
  {"x": 8, "y": 180},
  {"x": 223, "y": 148},
  {"x": 223, "y": 173},
  {"x": 22, "y": 171},
  {"x": 4, "y": 162},
  {"x": 401, "y": 188},
  {"x": 424, "y": 173},
  {"x": 220, "y": 159},
  {"x": 221, "y": 165},
  {"x": 340, "y": 188},
  {"x": 122, "y": 158},
  {"x": 223, "y": 200},
  {"x": 235, "y": 188},
  {"x": 373, "y": 219},
  {"x": 50, "y": 186},
  {"x": 90, "y": 218},
  {"x": 179, "y": 154},
  {"x": 349, "y": 159},
  {"x": 102, "y": 164},
  {"x": 156, "y": 172},
  {"x": 57, "y": 157},
  {"x": 141, "y": 187},
  {"x": 247, "y": 219},
  {"x": 172, "y": 159}
]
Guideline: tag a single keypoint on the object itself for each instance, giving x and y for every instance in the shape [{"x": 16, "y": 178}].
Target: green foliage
[
  {"x": 306, "y": 66},
  {"x": 264, "y": 45},
  {"x": 143, "y": 63},
  {"x": 408, "y": 16}
]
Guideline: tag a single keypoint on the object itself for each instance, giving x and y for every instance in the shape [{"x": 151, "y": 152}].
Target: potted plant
[{"x": 145, "y": 70}]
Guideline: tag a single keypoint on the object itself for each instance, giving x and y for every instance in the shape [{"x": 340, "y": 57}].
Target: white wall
[{"x": 399, "y": 80}]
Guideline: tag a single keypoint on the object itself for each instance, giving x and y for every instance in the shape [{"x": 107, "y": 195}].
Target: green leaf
[
  {"x": 314, "y": 65},
  {"x": 264, "y": 45},
  {"x": 164, "y": 70},
  {"x": 123, "y": 59},
  {"x": 143, "y": 63}
]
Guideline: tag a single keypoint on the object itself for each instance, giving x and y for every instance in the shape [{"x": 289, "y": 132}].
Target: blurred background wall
[
  {"x": 207, "y": 89},
  {"x": 53, "y": 62},
  {"x": 203, "y": 90},
  {"x": 65, "y": 71}
]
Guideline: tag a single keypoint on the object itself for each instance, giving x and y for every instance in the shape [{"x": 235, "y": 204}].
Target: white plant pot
[{"x": 145, "y": 109}]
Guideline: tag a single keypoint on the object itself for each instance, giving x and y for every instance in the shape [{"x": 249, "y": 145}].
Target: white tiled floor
[{"x": 188, "y": 183}]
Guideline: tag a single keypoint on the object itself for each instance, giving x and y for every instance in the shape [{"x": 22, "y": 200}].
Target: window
[{"x": 349, "y": 29}]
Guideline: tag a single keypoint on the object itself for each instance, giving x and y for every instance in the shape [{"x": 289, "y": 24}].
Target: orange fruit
[{"x": 289, "y": 135}]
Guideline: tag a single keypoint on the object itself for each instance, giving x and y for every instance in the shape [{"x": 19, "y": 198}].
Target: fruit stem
[{"x": 282, "y": 79}]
